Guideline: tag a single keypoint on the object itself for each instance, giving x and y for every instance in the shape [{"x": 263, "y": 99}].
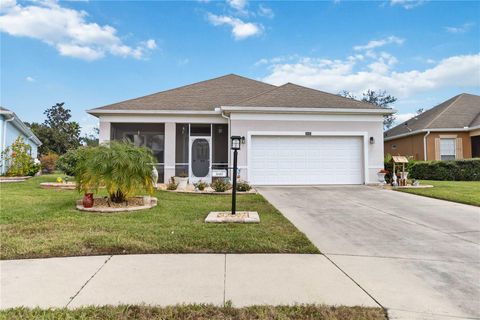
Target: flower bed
[{"x": 132, "y": 204}]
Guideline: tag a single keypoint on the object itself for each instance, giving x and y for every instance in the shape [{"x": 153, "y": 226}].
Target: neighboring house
[
  {"x": 292, "y": 134},
  {"x": 448, "y": 131},
  {"x": 11, "y": 127}
]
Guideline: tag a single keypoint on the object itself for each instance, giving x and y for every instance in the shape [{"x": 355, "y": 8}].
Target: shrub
[
  {"x": 172, "y": 185},
  {"x": 18, "y": 159},
  {"x": 243, "y": 186},
  {"x": 49, "y": 162},
  {"x": 68, "y": 161},
  {"x": 34, "y": 168},
  {"x": 459, "y": 170},
  {"x": 121, "y": 167},
  {"x": 201, "y": 185},
  {"x": 220, "y": 185}
]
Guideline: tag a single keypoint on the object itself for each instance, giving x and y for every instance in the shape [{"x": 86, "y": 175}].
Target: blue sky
[{"x": 93, "y": 53}]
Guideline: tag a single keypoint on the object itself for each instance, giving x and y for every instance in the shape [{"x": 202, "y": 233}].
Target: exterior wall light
[{"x": 372, "y": 140}]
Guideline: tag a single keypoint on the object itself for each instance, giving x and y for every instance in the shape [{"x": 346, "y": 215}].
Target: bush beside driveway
[{"x": 44, "y": 223}]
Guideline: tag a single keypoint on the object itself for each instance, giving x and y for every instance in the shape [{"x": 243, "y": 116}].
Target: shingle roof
[
  {"x": 205, "y": 95},
  {"x": 234, "y": 90},
  {"x": 458, "y": 112},
  {"x": 295, "y": 96}
]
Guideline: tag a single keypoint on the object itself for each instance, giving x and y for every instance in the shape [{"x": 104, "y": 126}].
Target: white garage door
[{"x": 290, "y": 160}]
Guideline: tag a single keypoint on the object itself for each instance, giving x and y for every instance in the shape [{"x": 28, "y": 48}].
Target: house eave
[
  {"x": 466, "y": 129},
  {"x": 99, "y": 112},
  {"x": 21, "y": 126},
  {"x": 240, "y": 109}
]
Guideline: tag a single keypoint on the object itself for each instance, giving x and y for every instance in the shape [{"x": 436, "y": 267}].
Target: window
[
  {"x": 181, "y": 148},
  {"x": 447, "y": 149},
  {"x": 149, "y": 135},
  {"x": 220, "y": 146}
]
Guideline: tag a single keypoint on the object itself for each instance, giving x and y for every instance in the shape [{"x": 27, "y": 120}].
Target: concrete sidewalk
[{"x": 167, "y": 279}]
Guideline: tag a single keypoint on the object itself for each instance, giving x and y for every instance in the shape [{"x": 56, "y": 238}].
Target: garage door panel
[{"x": 306, "y": 160}]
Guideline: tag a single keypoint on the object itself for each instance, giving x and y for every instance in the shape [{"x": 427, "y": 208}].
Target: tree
[
  {"x": 124, "y": 170},
  {"x": 57, "y": 133},
  {"x": 378, "y": 98},
  {"x": 382, "y": 100},
  {"x": 91, "y": 140}
]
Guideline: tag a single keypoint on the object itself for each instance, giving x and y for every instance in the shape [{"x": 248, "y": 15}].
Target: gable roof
[
  {"x": 205, "y": 95},
  {"x": 19, "y": 124},
  {"x": 459, "y": 112},
  {"x": 294, "y": 96},
  {"x": 233, "y": 90}
]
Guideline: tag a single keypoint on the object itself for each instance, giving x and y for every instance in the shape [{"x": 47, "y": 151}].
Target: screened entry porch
[{"x": 198, "y": 148}]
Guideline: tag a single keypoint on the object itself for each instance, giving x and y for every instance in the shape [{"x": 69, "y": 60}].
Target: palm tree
[{"x": 121, "y": 167}]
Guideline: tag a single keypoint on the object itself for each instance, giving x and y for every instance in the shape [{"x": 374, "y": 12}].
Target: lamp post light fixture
[{"x": 235, "y": 146}]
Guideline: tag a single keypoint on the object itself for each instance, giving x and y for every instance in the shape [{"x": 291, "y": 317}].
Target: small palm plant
[{"x": 121, "y": 167}]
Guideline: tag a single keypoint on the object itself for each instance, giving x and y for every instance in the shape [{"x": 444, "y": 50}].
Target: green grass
[
  {"x": 36, "y": 222},
  {"x": 467, "y": 192},
  {"x": 201, "y": 312}
]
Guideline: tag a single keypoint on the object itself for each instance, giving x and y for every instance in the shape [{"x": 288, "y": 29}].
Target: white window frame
[{"x": 454, "y": 149}]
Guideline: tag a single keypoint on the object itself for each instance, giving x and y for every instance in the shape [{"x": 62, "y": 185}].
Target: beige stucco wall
[
  {"x": 466, "y": 143},
  {"x": 372, "y": 125}
]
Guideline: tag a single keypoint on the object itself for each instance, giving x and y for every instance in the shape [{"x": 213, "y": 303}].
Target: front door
[{"x": 200, "y": 155}]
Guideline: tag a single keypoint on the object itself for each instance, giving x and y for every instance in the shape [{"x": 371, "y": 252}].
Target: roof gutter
[
  {"x": 466, "y": 129},
  {"x": 333, "y": 110},
  {"x": 95, "y": 112}
]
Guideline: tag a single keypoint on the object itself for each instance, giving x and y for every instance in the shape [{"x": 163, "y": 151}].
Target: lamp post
[{"x": 235, "y": 146}]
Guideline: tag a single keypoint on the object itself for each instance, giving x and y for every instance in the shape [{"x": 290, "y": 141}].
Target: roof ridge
[
  {"x": 259, "y": 94},
  {"x": 442, "y": 112},
  {"x": 333, "y": 94},
  {"x": 186, "y": 86}
]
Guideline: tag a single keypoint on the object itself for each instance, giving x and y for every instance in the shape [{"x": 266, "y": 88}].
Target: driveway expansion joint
[
  {"x": 355, "y": 282},
  {"x": 89, "y": 279}
]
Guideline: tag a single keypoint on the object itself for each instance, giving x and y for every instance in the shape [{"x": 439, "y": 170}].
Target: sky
[{"x": 93, "y": 53}]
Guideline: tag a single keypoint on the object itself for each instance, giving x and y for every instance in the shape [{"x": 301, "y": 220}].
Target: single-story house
[
  {"x": 12, "y": 127},
  {"x": 291, "y": 135},
  {"x": 448, "y": 131}
]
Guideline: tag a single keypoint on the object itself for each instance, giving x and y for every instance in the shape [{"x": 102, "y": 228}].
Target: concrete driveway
[{"x": 418, "y": 257}]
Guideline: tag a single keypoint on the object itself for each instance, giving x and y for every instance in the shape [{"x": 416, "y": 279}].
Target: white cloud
[
  {"x": 407, "y": 4},
  {"x": 265, "y": 12},
  {"x": 67, "y": 30},
  {"x": 237, "y": 4},
  {"x": 379, "y": 43},
  {"x": 357, "y": 76},
  {"x": 30, "y": 79},
  {"x": 240, "y": 29},
  {"x": 402, "y": 117},
  {"x": 462, "y": 29}
]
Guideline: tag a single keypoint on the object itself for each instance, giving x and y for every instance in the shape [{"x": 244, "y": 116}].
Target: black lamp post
[{"x": 235, "y": 145}]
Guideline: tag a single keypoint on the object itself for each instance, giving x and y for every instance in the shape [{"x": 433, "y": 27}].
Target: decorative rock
[
  {"x": 227, "y": 217},
  {"x": 148, "y": 202}
]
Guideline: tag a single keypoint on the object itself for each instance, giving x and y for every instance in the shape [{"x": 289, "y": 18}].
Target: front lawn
[
  {"x": 36, "y": 222},
  {"x": 201, "y": 312},
  {"x": 467, "y": 192}
]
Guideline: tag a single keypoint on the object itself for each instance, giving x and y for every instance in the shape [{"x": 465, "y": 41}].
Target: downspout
[
  {"x": 425, "y": 146},
  {"x": 4, "y": 142},
  {"x": 229, "y": 134}
]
